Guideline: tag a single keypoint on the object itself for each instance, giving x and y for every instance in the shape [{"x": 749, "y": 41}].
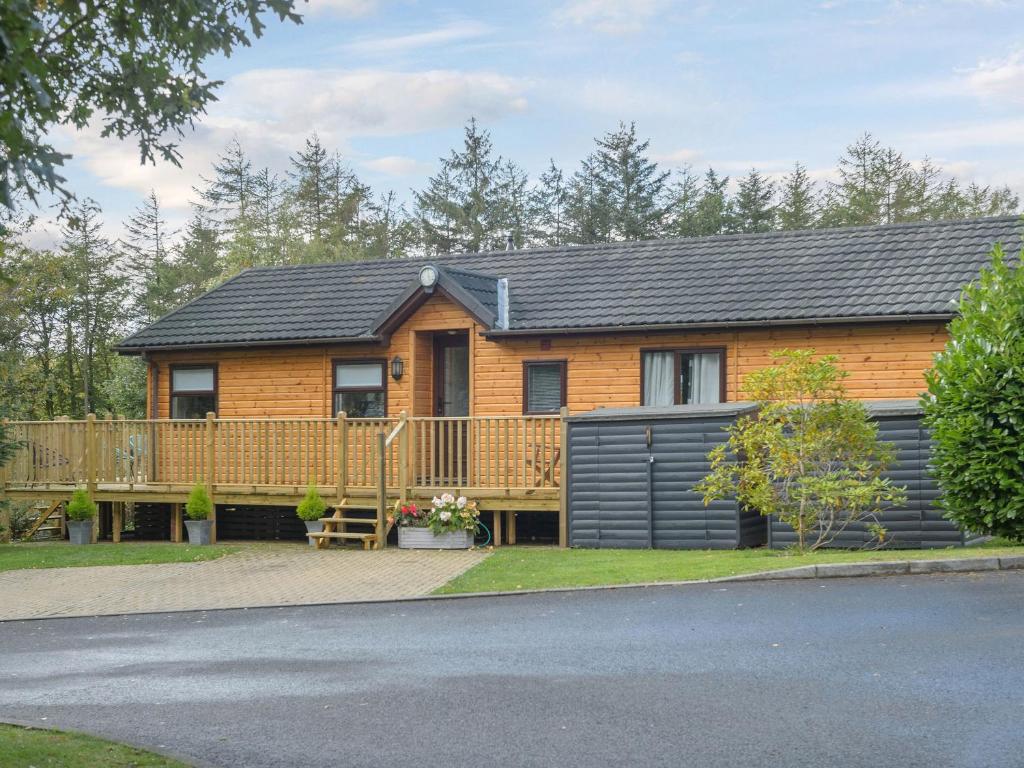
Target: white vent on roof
[{"x": 502, "y": 320}]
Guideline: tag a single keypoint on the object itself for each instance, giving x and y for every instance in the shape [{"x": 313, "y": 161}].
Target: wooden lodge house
[{"x": 394, "y": 379}]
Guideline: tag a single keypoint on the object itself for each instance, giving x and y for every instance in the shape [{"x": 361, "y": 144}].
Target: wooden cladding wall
[{"x": 885, "y": 360}]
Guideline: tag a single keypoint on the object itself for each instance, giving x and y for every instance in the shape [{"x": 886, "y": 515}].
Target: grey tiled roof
[{"x": 903, "y": 270}]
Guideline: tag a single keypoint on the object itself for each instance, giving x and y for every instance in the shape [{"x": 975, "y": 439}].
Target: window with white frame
[
  {"x": 360, "y": 388},
  {"x": 682, "y": 377},
  {"x": 193, "y": 391}
]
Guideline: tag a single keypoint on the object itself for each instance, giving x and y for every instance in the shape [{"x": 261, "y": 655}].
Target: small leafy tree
[
  {"x": 81, "y": 507},
  {"x": 807, "y": 455},
  {"x": 311, "y": 507},
  {"x": 975, "y": 405},
  {"x": 198, "y": 506}
]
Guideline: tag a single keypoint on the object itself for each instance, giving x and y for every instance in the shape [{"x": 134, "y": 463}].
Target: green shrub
[
  {"x": 312, "y": 507},
  {"x": 81, "y": 507},
  {"x": 808, "y": 455},
  {"x": 198, "y": 506},
  {"x": 975, "y": 405}
]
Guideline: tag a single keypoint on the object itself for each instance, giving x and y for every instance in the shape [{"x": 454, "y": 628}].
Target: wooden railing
[{"x": 501, "y": 452}]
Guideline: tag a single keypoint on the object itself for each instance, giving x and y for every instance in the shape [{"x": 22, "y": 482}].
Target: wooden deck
[{"x": 507, "y": 464}]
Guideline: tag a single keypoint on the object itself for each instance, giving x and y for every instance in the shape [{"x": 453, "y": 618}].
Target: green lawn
[
  {"x": 512, "y": 568},
  {"x": 58, "y": 554},
  {"x": 25, "y": 747}
]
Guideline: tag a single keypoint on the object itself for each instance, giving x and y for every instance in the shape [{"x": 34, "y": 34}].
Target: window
[
  {"x": 360, "y": 388},
  {"x": 193, "y": 391},
  {"x": 543, "y": 386},
  {"x": 670, "y": 377}
]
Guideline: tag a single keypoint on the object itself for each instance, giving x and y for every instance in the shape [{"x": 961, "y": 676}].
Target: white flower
[
  {"x": 445, "y": 516},
  {"x": 437, "y": 502},
  {"x": 447, "y": 498},
  {"x": 460, "y": 502}
]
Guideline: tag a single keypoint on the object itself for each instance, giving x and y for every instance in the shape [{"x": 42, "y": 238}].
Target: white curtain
[
  {"x": 704, "y": 378},
  {"x": 659, "y": 378}
]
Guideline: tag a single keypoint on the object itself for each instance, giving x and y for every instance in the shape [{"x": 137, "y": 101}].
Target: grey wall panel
[
  {"x": 618, "y": 498},
  {"x": 918, "y": 523}
]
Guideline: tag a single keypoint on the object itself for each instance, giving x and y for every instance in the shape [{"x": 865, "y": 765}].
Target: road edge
[{"x": 825, "y": 571}]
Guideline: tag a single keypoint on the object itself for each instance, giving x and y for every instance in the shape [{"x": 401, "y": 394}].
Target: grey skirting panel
[{"x": 632, "y": 472}]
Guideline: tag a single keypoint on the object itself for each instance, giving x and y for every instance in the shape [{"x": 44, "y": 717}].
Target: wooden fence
[{"x": 501, "y": 452}]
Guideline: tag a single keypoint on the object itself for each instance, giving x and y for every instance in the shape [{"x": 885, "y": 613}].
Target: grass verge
[
  {"x": 515, "y": 568},
  {"x": 54, "y": 554},
  {"x": 25, "y": 747}
]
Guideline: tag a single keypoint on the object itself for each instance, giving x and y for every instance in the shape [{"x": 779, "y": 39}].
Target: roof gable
[
  {"x": 477, "y": 294},
  {"x": 857, "y": 273}
]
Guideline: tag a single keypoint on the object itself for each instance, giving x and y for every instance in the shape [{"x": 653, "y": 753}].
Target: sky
[{"x": 735, "y": 85}]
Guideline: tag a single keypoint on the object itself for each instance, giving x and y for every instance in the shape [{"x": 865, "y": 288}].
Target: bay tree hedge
[{"x": 975, "y": 405}]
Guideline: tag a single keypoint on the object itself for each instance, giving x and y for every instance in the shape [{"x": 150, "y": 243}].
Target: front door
[{"x": 451, "y": 400}]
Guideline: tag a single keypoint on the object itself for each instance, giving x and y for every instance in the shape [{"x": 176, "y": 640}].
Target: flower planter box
[
  {"x": 313, "y": 526},
  {"x": 199, "y": 531},
  {"x": 80, "y": 531},
  {"x": 424, "y": 538}
]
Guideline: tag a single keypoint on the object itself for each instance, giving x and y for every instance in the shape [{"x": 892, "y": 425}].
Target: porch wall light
[{"x": 397, "y": 367}]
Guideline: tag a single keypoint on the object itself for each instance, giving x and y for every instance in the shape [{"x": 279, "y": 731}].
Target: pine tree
[
  {"x": 438, "y": 213},
  {"x": 631, "y": 185},
  {"x": 147, "y": 257},
  {"x": 512, "y": 207},
  {"x": 389, "y": 232},
  {"x": 256, "y": 239},
  {"x": 753, "y": 207},
  {"x": 97, "y": 288},
  {"x": 712, "y": 216},
  {"x": 226, "y": 196},
  {"x": 798, "y": 206},
  {"x": 856, "y": 198},
  {"x": 461, "y": 208},
  {"x": 476, "y": 169},
  {"x": 986, "y": 201},
  {"x": 198, "y": 263},
  {"x": 682, "y": 214},
  {"x": 548, "y": 201},
  {"x": 587, "y": 210},
  {"x": 314, "y": 177}
]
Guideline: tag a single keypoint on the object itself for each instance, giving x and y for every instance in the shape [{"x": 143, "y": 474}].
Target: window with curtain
[
  {"x": 193, "y": 391},
  {"x": 360, "y": 388},
  {"x": 683, "y": 377},
  {"x": 543, "y": 386}
]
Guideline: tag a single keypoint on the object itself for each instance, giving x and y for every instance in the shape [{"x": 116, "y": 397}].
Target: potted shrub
[
  {"x": 198, "y": 508},
  {"x": 450, "y": 523},
  {"x": 81, "y": 512},
  {"x": 310, "y": 510}
]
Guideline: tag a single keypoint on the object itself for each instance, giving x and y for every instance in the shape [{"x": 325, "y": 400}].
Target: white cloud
[
  {"x": 286, "y": 103},
  {"x": 989, "y": 133},
  {"x": 450, "y": 33},
  {"x": 352, "y": 8},
  {"x": 271, "y": 112},
  {"x": 610, "y": 16},
  {"x": 396, "y": 165},
  {"x": 116, "y": 163},
  {"x": 998, "y": 79},
  {"x": 682, "y": 156}
]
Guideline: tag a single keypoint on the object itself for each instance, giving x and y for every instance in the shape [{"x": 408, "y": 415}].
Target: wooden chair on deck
[{"x": 544, "y": 471}]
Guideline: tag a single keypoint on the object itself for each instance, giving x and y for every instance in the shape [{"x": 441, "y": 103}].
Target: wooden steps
[
  {"x": 356, "y": 520},
  {"x": 367, "y": 539},
  {"x": 335, "y": 526},
  {"x": 54, "y": 514}
]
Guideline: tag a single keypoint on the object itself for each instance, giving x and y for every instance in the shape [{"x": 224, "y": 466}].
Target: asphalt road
[{"x": 910, "y": 671}]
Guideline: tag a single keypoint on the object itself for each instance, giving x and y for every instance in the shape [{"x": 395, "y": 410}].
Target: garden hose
[{"x": 488, "y": 536}]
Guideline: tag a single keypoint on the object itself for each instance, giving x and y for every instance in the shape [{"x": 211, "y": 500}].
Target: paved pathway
[
  {"x": 909, "y": 672},
  {"x": 272, "y": 575}
]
